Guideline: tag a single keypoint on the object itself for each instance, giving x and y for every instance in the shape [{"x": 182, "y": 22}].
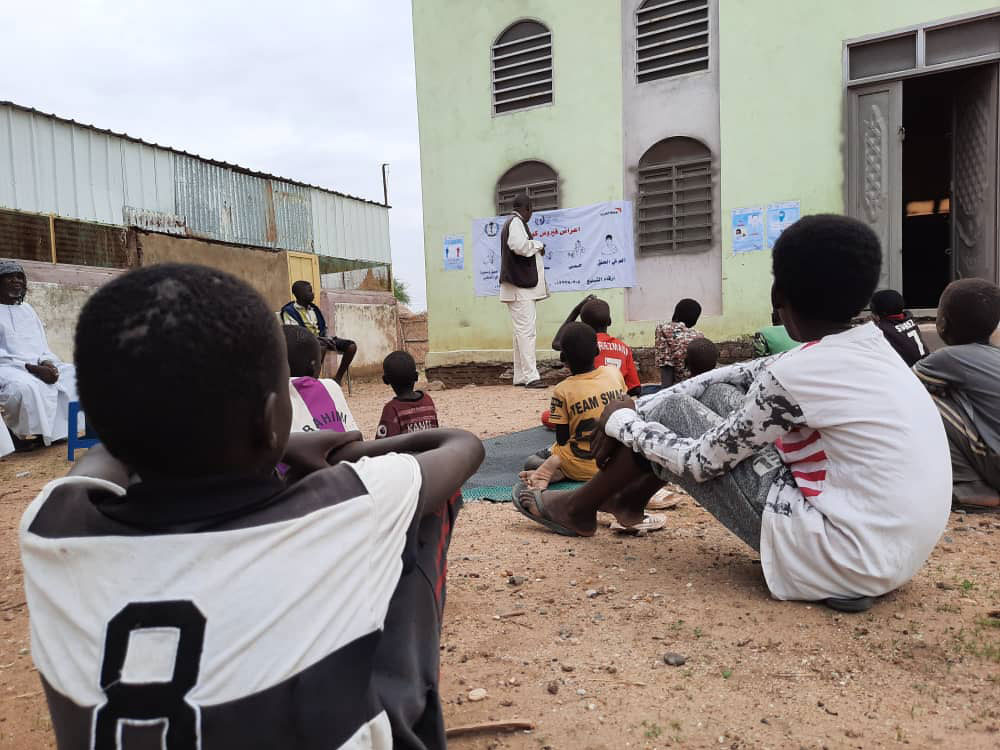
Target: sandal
[
  {"x": 664, "y": 499},
  {"x": 521, "y": 489},
  {"x": 650, "y": 522},
  {"x": 973, "y": 509}
]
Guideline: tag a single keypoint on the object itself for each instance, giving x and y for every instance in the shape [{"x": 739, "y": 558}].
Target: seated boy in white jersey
[
  {"x": 317, "y": 403},
  {"x": 829, "y": 459},
  {"x": 180, "y": 595}
]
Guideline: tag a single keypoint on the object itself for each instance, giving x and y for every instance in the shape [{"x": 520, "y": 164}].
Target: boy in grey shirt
[{"x": 964, "y": 380}]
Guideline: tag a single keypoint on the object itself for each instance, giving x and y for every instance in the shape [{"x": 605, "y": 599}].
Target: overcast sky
[{"x": 320, "y": 91}]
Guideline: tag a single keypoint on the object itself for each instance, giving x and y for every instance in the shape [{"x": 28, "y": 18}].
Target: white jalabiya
[
  {"x": 29, "y": 406},
  {"x": 6, "y": 444}
]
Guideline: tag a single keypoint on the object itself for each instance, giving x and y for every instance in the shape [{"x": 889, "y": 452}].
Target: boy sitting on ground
[
  {"x": 613, "y": 352},
  {"x": 317, "y": 403},
  {"x": 830, "y": 460},
  {"x": 898, "y": 325},
  {"x": 702, "y": 355},
  {"x": 672, "y": 340},
  {"x": 410, "y": 410},
  {"x": 157, "y": 575},
  {"x": 577, "y": 403},
  {"x": 964, "y": 381}
]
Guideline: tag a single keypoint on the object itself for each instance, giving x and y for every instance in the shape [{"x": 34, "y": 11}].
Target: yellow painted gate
[{"x": 304, "y": 267}]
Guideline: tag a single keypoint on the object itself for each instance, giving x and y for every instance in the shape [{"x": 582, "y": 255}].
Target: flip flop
[
  {"x": 664, "y": 499},
  {"x": 973, "y": 509},
  {"x": 536, "y": 495},
  {"x": 851, "y": 606},
  {"x": 650, "y": 522}
]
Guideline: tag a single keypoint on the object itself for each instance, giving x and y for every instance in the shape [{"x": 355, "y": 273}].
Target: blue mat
[{"x": 505, "y": 456}]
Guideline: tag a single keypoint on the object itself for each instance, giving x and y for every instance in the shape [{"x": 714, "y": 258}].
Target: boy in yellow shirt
[{"x": 576, "y": 408}]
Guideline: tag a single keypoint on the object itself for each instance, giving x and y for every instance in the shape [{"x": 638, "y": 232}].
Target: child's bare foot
[{"x": 539, "y": 479}]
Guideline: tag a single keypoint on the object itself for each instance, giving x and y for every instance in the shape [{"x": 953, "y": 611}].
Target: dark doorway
[
  {"x": 936, "y": 121},
  {"x": 927, "y": 108}
]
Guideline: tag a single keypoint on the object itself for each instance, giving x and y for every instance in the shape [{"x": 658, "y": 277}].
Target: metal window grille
[
  {"x": 675, "y": 206},
  {"x": 25, "y": 236},
  {"x": 671, "y": 38},
  {"x": 85, "y": 244},
  {"x": 538, "y": 180},
  {"x": 522, "y": 67}
]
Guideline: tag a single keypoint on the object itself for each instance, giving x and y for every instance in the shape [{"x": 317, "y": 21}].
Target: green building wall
[
  {"x": 782, "y": 118},
  {"x": 465, "y": 149},
  {"x": 782, "y": 136}
]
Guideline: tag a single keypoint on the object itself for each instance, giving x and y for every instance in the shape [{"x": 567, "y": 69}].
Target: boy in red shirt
[
  {"x": 410, "y": 410},
  {"x": 612, "y": 352}
]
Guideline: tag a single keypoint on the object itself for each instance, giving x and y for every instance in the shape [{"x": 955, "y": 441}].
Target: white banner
[{"x": 585, "y": 248}]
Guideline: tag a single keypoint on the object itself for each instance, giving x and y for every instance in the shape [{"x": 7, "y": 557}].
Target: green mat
[{"x": 503, "y": 494}]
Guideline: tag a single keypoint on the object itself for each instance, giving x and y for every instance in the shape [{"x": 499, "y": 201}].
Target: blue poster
[
  {"x": 454, "y": 252},
  {"x": 780, "y": 216},
  {"x": 748, "y": 229}
]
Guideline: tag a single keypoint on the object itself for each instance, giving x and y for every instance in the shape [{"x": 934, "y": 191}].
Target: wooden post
[{"x": 52, "y": 235}]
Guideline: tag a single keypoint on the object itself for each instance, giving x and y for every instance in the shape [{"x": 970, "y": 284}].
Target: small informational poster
[
  {"x": 454, "y": 252},
  {"x": 748, "y": 229},
  {"x": 780, "y": 216}
]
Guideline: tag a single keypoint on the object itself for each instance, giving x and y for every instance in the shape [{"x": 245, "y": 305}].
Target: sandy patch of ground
[{"x": 582, "y": 657}]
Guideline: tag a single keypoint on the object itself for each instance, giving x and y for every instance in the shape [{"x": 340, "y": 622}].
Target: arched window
[
  {"x": 522, "y": 67},
  {"x": 535, "y": 178},
  {"x": 671, "y": 38},
  {"x": 675, "y": 197}
]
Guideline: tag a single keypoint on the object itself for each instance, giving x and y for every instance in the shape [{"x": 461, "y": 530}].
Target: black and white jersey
[
  {"x": 903, "y": 333},
  {"x": 217, "y": 615}
]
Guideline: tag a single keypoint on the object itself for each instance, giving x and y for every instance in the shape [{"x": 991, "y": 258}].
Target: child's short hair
[
  {"x": 597, "y": 314},
  {"x": 579, "y": 347},
  {"x": 687, "y": 311},
  {"x": 399, "y": 370},
  {"x": 887, "y": 302},
  {"x": 827, "y": 266},
  {"x": 702, "y": 355},
  {"x": 304, "y": 351},
  {"x": 163, "y": 377},
  {"x": 971, "y": 311}
]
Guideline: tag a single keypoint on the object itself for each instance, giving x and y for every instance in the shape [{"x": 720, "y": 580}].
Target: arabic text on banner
[{"x": 589, "y": 247}]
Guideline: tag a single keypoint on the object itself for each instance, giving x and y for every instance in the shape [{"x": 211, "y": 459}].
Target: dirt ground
[{"x": 571, "y": 634}]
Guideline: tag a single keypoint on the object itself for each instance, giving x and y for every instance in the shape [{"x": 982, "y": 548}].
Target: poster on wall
[
  {"x": 748, "y": 229},
  {"x": 586, "y": 248},
  {"x": 454, "y": 252},
  {"x": 780, "y": 216}
]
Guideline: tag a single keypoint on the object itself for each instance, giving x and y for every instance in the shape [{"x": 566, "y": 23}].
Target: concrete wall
[
  {"x": 465, "y": 149},
  {"x": 686, "y": 105},
  {"x": 370, "y": 319},
  {"x": 782, "y": 118},
  {"x": 264, "y": 270},
  {"x": 58, "y": 293}
]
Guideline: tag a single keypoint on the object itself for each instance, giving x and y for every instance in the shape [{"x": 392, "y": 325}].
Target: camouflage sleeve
[
  {"x": 767, "y": 413},
  {"x": 741, "y": 374}
]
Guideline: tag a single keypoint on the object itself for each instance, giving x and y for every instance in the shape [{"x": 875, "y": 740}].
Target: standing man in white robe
[
  {"x": 35, "y": 386},
  {"x": 522, "y": 284}
]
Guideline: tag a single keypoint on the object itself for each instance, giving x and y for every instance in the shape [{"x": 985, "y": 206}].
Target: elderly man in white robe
[{"x": 35, "y": 386}]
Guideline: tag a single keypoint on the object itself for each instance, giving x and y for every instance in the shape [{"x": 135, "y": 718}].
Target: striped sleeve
[{"x": 767, "y": 414}]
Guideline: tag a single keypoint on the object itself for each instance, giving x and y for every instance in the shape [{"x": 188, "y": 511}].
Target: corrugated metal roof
[
  {"x": 228, "y": 165},
  {"x": 53, "y": 165}
]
